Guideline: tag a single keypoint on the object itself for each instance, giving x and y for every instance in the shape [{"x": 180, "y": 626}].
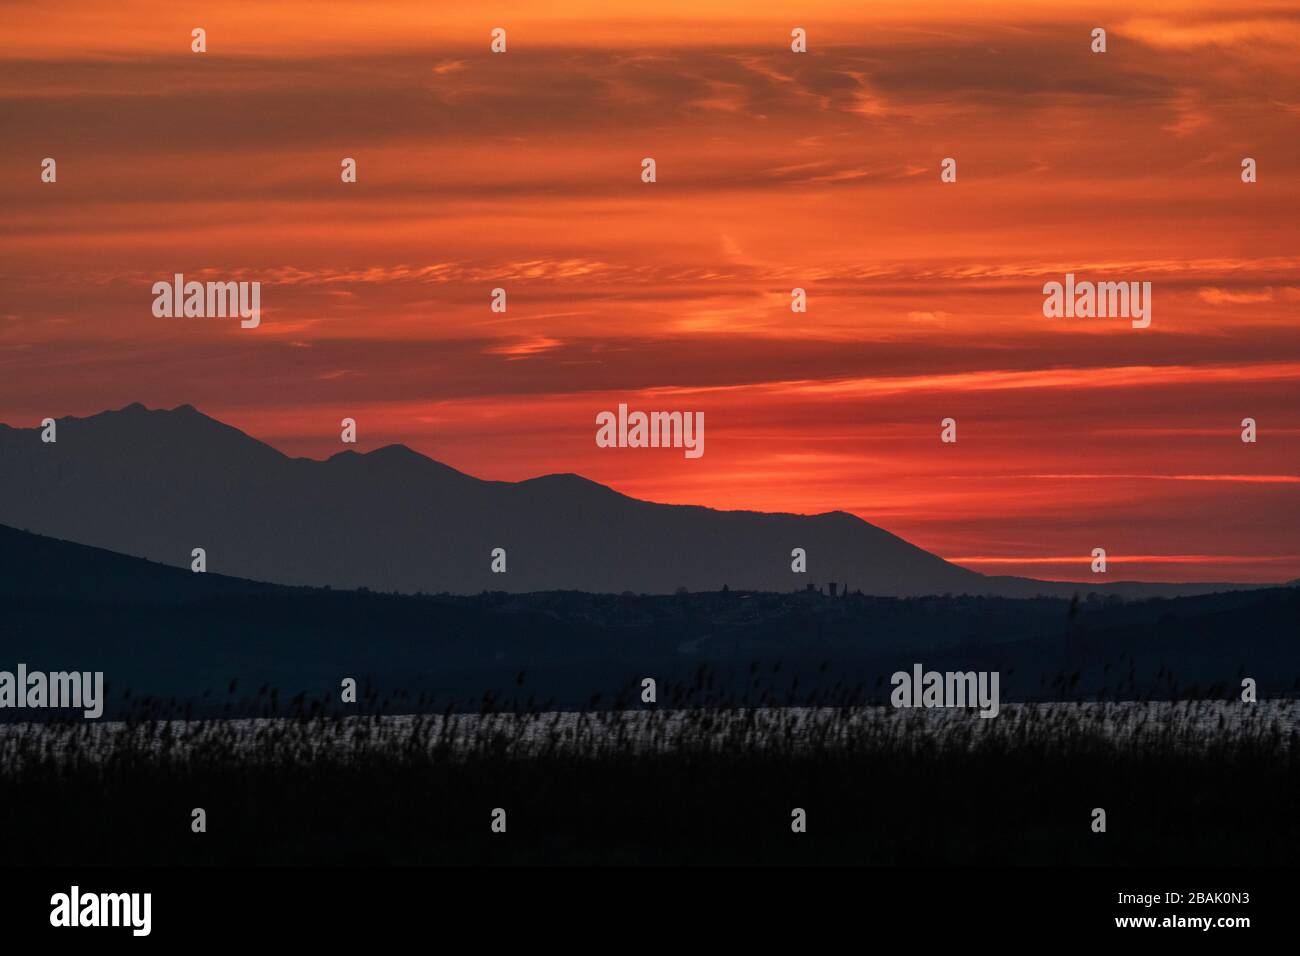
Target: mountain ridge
[{"x": 159, "y": 483}]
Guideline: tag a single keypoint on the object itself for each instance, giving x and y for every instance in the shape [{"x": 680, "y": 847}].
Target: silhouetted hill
[
  {"x": 209, "y": 642},
  {"x": 33, "y": 566},
  {"x": 158, "y": 484}
]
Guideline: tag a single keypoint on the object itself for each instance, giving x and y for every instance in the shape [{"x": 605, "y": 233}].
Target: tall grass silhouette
[{"x": 1182, "y": 782}]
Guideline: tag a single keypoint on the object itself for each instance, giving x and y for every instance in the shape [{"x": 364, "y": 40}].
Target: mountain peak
[
  {"x": 183, "y": 431},
  {"x": 397, "y": 458},
  {"x": 396, "y": 451},
  {"x": 140, "y": 410}
]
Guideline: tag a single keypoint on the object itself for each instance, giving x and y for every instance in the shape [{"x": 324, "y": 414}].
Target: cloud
[{"x": 1229, "y": 297}]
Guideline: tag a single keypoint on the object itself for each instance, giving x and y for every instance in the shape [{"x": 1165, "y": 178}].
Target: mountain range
[{"x": 157, "y": 484}]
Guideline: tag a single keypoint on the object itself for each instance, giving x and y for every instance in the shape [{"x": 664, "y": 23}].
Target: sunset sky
[{"x": 775, "y": 170}]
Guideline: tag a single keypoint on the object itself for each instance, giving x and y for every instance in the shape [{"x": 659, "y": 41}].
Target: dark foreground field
[
  {"x": 710, "y": 788},
  {"x": 320, "y": 784}
]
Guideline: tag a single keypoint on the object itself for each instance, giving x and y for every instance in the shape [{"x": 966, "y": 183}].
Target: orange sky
[{"x": 775, "y": 170}]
